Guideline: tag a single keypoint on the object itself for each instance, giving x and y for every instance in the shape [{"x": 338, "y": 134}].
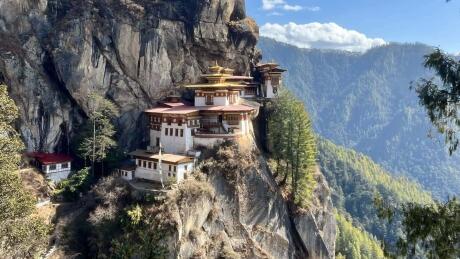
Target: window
[
  {"x": 166, "y": 131},
  {"x": 171, "y": 131},
  {"x": 52, "y": 167},
  {"x": 158, "y": 142},
  {"x": 186, "y": 167},
  {"x": 181, "y": 132},
  {"x": 150, "y": 165},
  {"x": 209, "y": 100},
  {"x": 169, "y": 167},
  {"x": 177, "y": 132},
  {"x": 275, "y": 81},
  {"x": 174, "y": 168},
  {"x": 145, "y": 164},
  {"x": 65, "y": 165},
  {"x": 139, "y": 162},
  {"x": 154, "y": 165},
  {"x": 169, "y": 174}
]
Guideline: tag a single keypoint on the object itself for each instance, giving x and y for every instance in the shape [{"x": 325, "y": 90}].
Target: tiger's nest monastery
[{"x": 224, "y": 107}]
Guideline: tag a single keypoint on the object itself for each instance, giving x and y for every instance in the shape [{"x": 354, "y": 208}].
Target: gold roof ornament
[
  {"x": 215, "y": 69},
  {"x": 221, "y": 78}
]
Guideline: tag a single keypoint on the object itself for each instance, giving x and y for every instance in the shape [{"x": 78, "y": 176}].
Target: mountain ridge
[{"x": 364, "y": 102}]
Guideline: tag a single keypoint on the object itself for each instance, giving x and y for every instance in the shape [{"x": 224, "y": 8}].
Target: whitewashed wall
[
  {"x": 154, "y": 174},
  {"x": 176, "y": 144},
  {"x": 200, "y": 101},
  {"x": 57, "y": 174}
]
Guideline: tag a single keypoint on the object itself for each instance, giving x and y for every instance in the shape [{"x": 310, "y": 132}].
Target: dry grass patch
[{"x": 36, "y": 183}]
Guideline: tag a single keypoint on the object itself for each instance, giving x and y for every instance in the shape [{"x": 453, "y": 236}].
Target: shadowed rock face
[
  {"x": 237, "y": 211},
  {"x": 53, "y": 53}
]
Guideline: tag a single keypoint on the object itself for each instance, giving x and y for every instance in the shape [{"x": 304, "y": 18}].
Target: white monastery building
[
  {"x": 56, "y": 167},
  {"x": 221, "y": 111}
]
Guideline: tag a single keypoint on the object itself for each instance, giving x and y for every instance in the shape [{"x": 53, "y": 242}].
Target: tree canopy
[
  {"x": 97, "y": 136},
  {"x": 353, "y": 242},
  {"x": 293, "y": 145},
  {"x": 21, "y": 233},
  {"x": 441, "y": 95}
]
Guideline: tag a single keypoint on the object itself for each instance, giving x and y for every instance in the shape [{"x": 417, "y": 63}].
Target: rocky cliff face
[
  {"x": 54, "y": 52},
  {"x": 237, "y": 211}
]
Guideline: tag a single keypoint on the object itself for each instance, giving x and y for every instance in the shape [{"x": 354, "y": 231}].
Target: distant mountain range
[{"x": 364, "y": 102}]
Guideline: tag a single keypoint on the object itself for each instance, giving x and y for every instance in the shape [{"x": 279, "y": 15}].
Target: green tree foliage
[
  {"x": 441, "y": 96},
  {"x": 21, "y": 234},
  {"x": 141, "y": 238},
  {"x": 357, "y": 182},
  {"x": 97, "y": 135},
  {"x": 77, "y": 183},
  {"x": 432, "y": 230},
  {"x": 436, "y": 228},
  {"x": 363, "y": 101},
  {"x": 121, "y": 227},
  {"x": 293, "y": 146},
  {"x": 354, "y": 243}
]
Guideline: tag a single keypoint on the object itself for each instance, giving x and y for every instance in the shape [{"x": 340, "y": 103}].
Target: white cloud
[
  {"x": 282, "y": 4},
  {"x": 295, "y": 8},
  {"x": 320, "y": 35},
  {"x": 271, "y": 4}
]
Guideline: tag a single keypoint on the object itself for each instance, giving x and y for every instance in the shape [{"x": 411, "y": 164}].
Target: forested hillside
[
  {"x": 363, "y": 101},
  {"x": 353, "y": 242},
  {"x": 356, "y": 181}
]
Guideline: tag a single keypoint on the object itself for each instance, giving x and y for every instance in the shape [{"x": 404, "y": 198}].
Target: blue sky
[{"x": 359, "y": 24}]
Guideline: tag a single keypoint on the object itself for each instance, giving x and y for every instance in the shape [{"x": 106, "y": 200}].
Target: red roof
[{"x": 47, "y": 158}]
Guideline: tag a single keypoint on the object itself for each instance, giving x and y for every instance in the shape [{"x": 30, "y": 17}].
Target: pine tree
[
  {"x": 97, "y": 137},
  {"x": 21, "y": 234},
  {"x": 293, "y": 146}
]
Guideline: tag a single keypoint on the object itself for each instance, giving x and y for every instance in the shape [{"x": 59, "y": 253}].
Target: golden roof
[
  {"x": 221, "y": 77},
  {"x": 217, "y": 85}
]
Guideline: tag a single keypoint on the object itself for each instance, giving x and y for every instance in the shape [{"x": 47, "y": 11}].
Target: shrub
[{"x": 70, "y": 188}]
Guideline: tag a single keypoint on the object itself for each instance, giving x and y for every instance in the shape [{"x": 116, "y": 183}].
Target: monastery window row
[
  {"x": 211, "y": 94},
  {"x": 233, "y": 119},
  {"x": 170, "y": 132},
  {"x": 194, "y": 122},
  {"x": 170, "y": 121},
  {"x": 153, "y": 165},
  {"x": 155, "y": 119}
]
